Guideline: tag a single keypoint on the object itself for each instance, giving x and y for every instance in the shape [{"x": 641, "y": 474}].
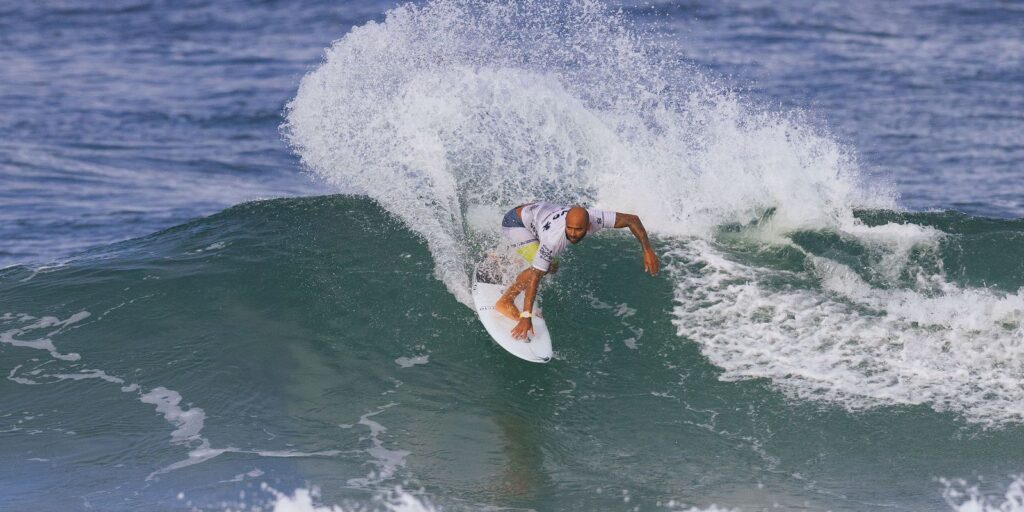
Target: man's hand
[
  {"x": 628, "y": 220},
  {"x": 650, "y": 262},
  {"x": 523, "y": 329}
]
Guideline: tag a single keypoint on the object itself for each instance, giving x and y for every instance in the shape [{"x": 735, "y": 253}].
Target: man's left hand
[{"x": 650, "y": 262}]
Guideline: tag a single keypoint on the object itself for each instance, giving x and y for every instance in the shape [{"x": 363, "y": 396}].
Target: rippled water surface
[{"x": 237, "y": 239}]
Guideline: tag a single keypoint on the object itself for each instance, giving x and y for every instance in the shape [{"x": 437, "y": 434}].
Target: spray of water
[
  {"x": 451, "y": 111},
  {"x": 448, "y": 112}
]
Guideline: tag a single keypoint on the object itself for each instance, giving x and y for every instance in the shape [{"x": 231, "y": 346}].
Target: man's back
[{"x": 547, "y": 222}]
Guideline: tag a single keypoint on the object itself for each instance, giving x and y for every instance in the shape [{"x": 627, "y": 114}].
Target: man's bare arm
[
  {"x": 531, "y": 289},
  {"x": 525, "y": 325},
  {"x": 628, "y": 220}
]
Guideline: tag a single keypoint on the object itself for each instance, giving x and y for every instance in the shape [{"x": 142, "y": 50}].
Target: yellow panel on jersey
[{"x": 528, "y": 251}]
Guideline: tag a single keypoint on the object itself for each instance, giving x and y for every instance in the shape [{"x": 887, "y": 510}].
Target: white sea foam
[
  {"x": 42, "y": 269},
  {"x": 12, "y": 376},
  {"x": 216, "y": 246},
  {"x": 189, "y": 422},
  {"x": 954, "y": 349},
  {"x": 385, "y": 461},
  {"x": 88, "y": 374},
  {"x": 304, "y": 500},
  {"x": 712, "y": 508},
  {"x": 11, "y": 336},
  {"x": 409, "y": 362},
  {"x": 255, "y": 473},
  {"x": 964, "y": 498}
]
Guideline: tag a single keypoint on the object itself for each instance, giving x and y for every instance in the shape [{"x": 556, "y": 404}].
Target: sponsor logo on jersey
[{"x": 545, "y": 253}]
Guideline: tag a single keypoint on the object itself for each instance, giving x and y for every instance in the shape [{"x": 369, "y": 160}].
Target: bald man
[{"x": 539, "y": 231}]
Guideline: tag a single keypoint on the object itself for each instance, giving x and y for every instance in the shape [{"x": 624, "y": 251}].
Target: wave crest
[{"x": 458, "y": 106}]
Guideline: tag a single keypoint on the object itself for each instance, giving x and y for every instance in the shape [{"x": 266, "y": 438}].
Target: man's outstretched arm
[{"x": 628, "y": 220}]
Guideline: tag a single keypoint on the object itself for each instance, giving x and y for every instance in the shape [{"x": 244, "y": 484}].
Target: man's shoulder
[{"x": 601, "y": 219}]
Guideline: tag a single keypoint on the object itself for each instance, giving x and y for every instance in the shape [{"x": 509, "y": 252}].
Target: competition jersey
[{"x": 547, "y": 222}]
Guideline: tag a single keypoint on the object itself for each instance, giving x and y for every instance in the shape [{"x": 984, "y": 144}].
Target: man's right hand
[{"x": 523, "y": 329}]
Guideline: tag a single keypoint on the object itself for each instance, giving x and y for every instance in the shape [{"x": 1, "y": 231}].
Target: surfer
[{"x": 539, "y": 231}]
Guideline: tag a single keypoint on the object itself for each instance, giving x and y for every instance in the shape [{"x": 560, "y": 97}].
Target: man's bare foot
[{"x": 508, "y": 309}]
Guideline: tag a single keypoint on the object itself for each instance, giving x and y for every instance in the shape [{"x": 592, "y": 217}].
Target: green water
[{"x": 322, "y": 351}]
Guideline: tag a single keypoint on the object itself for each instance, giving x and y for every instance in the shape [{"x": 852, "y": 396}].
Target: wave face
[
  {"x": 450, "y": 112},
  {"x": 297, "y": 342}
]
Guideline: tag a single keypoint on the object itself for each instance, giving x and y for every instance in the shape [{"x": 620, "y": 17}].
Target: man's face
[{"x": 576, "y": 229}]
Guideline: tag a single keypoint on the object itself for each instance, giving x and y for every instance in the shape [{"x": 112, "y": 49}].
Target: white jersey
[{"x": 547, "y": 222}]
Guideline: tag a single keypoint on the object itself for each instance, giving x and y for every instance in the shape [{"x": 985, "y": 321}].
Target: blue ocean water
[
  {"x": 123, "y": 117},
  {"x": 927, "y": 93},
  {"x": 237, "y": 239}
]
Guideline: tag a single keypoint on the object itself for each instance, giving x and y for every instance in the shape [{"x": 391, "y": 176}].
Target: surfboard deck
[{"x": 486, "y": 292}]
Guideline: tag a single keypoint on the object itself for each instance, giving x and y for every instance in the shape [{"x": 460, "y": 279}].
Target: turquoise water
[{"x": 240, "y": 347}]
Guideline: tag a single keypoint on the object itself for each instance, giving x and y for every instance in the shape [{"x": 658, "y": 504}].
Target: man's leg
[
  {"x": 526, "y": 247},
  {"x": 506, "y": 305}
]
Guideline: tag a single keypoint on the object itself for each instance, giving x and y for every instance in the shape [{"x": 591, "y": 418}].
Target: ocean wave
[{"x": 453, "y": 107}]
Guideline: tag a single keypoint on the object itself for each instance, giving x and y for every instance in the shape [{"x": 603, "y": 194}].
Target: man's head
[{"x": 577, "y": 222}]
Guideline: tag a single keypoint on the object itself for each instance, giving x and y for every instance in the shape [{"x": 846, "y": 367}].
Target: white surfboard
[{"x": 536, "y": 348}]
